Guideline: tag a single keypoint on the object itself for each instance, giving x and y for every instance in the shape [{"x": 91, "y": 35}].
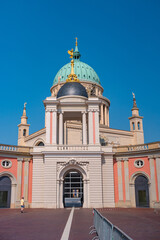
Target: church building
[{"x": 77, "y": 159}]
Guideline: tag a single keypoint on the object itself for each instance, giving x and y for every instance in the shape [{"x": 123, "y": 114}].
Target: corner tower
[
  {"x": 23, "y": 128},
  {"x": 136, "y": 124}
]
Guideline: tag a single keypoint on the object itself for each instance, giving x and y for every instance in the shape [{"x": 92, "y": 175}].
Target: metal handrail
[{"x": 106, "y": 230}]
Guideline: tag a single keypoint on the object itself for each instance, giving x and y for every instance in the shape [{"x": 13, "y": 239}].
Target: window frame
[
  {"x": 135, "y": 163},
  {"x": 6, "y": 160}
]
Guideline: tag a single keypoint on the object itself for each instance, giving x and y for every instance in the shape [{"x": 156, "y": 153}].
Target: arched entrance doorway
[
  {"x": 5, "y": 192},
  {"x": 141, "y": 191},
  {"x": 73, "y": 189}
]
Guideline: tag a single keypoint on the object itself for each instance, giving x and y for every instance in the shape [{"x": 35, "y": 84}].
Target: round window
[
  {"x": 6, "y": 163},
  {"x": 139, "y": 163}
]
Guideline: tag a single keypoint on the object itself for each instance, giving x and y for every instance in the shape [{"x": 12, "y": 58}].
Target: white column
[
  {"x": 61, "y": 193},
  {"x": 61, "y": 128},
  {"x": 102, "y": 120},
  {"x": 85, "y": 194},
  {"x": 97, "y": 126},
  {"x": 96, "y": 91},
  {"x": 54, "y": 127},
  {"x": 65, "y": 132},
  {"x": 105, "y": 115},
  {"x": 84, "y": 128},
  {"x": 58, "y": 194},
  {"x": 47, "y": 127},
  {"x": 108, "y": 116},
  {"x": 90, "y": 127},
  {"x": 13, "y": 195}
]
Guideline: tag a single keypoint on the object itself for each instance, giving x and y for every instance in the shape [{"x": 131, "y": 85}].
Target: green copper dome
[{"x": 83, "y": 71}]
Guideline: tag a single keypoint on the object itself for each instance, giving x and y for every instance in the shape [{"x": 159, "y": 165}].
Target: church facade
[{"x": 77, "y": 159}]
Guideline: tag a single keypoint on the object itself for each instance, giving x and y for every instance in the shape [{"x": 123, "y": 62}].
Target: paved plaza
[
  {"x": 50, "y": 224},
  {"x": 138, "y": 223}
]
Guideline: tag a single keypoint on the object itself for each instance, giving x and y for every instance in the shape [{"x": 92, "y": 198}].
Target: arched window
[
  {"x": 5, "y": 192},
  {"x": 40, "y": 144},
  {"x": 139, "y": 126},
  {"x": 24, "y": 132},
  {"x": 133, "y": 126},
  {"x": 142, "y": 191}
]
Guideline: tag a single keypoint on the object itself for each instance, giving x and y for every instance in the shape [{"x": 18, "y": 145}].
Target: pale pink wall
[
  {"x": 133, "y": 169},
  {"x": 12, "y": 169}
]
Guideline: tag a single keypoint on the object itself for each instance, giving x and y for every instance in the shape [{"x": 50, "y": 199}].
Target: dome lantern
[{"x": 72, "y": 85}]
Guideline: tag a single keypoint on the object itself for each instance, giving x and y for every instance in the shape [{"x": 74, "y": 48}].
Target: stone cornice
[
  {"x": 51, "y": 110},
  {"x": 121, "y": 159},
  {"x": 105, "y": 129}
]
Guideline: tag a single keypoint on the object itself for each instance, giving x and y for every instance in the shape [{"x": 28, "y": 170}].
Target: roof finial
[
  {"x": 76, "y": 41},
  {"x": 133, "y": 95},
  {"x": 24, "y": 109},
  {"x": 25, "y": 105},
  {"x": 134, "y": 101}
]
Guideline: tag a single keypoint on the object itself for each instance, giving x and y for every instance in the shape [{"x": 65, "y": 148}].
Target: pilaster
[
  {"x": 157, "y": 158},
  {"x": 126, "y": 173},
  {"x": 153, "y": 184},
  {"x": 19, "y": 180},
  {"x": 105, "y": 115},
  {"x": 84, "y": 128},
  {"x": 102, "y": 120},
  {"x": 47, "y": 127},
  {"x": 54, "y": 127},
  {"x": 61, "y": 128},
  {"x": 120, "y": 187},
  {"x": 26, "y": 180},
  {"x": 90, "y": 127},
  {"x": 97, "y": 127}
]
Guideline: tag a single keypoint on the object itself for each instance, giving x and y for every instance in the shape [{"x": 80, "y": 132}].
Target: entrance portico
[{"x": 73, "y": 170}]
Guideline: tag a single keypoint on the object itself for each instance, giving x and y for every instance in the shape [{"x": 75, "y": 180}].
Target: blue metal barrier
[{"x": 106, "y": 230}]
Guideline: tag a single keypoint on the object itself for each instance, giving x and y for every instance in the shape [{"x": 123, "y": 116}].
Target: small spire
[
  {"x": 76, "y": 54},
  {"x": 76, "y": 41},
  {"x": 24, "y": 116}
]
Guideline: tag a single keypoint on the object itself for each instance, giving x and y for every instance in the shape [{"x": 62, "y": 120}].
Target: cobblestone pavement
[
  {"x": 44, "y": 224},
  {"x": 82, "y": 221},
  {"x": 49, "y": 224},
  {"x": 33, "y": 224},
  {"x": 138, "y": 223}
]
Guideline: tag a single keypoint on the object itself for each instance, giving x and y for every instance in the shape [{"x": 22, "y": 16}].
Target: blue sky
[{"x": 119, "y": 39}]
